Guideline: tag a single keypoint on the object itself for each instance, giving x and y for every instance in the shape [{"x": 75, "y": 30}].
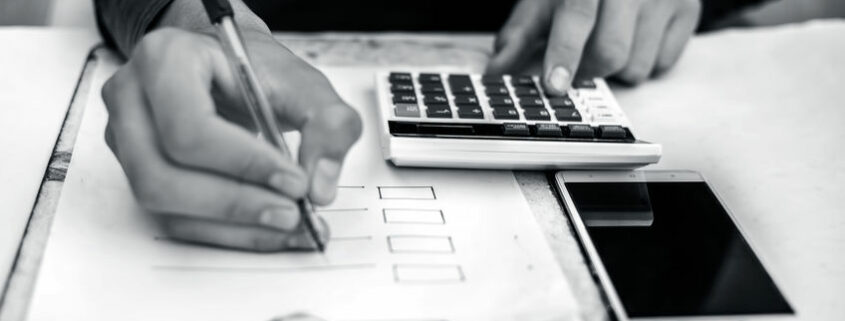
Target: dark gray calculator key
[
  {"x": 561, "y": 102},
  {"x": 617, "y": 132},
  {"x": 516, "y": 129},
  {"x": 438, "y": 111},
  {"x": 402, "y": 88},
  {"x": 584, "y": 83},
  {"x": 526, "y": 102},
  {"x": 404, "y": 98},
  {"x": 495, "y": 90},
  {"x": 462, "y": 89},
  {"x": 526, "y": 91},
  {"x": 432, "y": 89},
  {"x": 499, "y": 101},
  {"x": 473, "y": 112},
  {"x": 522, "y": 81},
  {"x": 580, "y": 131},
  {"x": 537, "y": 114},
  {"x": 567, "y": 115},
  {"x": 407, "y": 110},
  {"x": 435, "y": 99},
  {"x": 462, "y": 100},
  {"x": 460, "y": 80},
  {"x": 505, "y": 113},
  {"x": 400, "y": 77},
  {"x": 548, "y": 130},
  {"x": 429, "y": 78},
  {"x": 490, "y": 80}
]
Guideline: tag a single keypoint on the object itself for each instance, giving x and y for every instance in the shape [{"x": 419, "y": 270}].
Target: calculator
[{"x": 437, "y": 119}]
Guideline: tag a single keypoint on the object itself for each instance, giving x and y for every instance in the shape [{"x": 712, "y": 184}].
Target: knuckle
[
  {"x": 235, "y": 209},
  {"x": 611, "y": 55},
  {"x": 344, "y": 121},
  {"x": 180, "y": 143}
]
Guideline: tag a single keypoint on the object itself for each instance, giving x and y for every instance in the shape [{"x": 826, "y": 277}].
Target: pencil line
[
  {"x": 286, "y": 269},
  {"x": 363, "y": 209}
]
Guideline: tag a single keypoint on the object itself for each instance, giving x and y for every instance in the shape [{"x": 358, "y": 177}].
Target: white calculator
[{"x": 431, "y": 119}]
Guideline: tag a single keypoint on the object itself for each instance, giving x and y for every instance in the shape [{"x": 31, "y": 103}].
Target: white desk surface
[{"x": 757, "y": 112}]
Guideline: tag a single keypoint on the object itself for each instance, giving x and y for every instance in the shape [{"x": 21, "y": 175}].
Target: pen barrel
[{"x": 217, "y": 9}]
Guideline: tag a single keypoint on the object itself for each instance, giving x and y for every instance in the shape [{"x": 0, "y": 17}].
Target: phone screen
[{"x": 670, "y": 249}]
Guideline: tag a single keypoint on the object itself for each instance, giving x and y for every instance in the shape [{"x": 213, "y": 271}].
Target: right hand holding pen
[{"x": 178, "y": 129}]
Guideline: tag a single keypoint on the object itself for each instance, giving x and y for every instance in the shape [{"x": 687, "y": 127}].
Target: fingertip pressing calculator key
[{"x": 431, "y": 119}]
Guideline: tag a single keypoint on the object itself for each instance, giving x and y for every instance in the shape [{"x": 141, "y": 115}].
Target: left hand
[{"x": 628, "y": 39}]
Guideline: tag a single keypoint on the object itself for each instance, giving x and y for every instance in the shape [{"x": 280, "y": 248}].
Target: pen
[{"x": 221, "y": 14}]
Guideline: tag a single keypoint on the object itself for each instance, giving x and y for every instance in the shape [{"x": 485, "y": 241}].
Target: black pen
[{"x": 222, "y": 16}]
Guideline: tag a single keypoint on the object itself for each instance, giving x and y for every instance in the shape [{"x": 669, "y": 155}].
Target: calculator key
[
  {"x": 407, "y": 110},
  {"x": 526, "y": 91},
  {"x": 522, "y": 81},
  {"x": 404, "y": 98},
  {"x": 459, "y": 80},
  {"x": 581, "y": 131},
  {"x": 615, "y": 132},
  {"x": 466, "y": 100},
  {"x": 400, "y": 77},
  {"x": 439, "y": 111},
  {"x": 548, "y": 130},
  {"x": 604, "y": 117},
  {"x": 537, "y": 114},
  {"x": 435, "y": 99},
  {"x": 462, "y": 89},
  {"x": 401, "y": 87},
  {"x": 567, "y": 115},
  {"x": 505, "y": 113},
  {"x": 498, "y": 101},
  {"x": 496, "y": 91},
  {"x": 492, "y": 80},
  {"x": 433, "y": 89},
  {"x": 429, "y": 78},
  {"x": 584, "y": 83},
  {"x": 473, "y": 112},
  {"x": 561, "y": 102},
  {"x": 516, "y": 129},
  {"x": 531, "y": 102}
]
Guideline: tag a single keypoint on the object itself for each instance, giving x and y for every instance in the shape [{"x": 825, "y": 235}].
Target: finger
[
  {"x": 573, "y": 23},
  {"x": 610, "y": 44},
  {"x": 651, "y": 26},
  {"x": 190, "y": 130},
  {"x": 681, "y": 28},
  {"x": 516, "y": 41},
  {"x": 161, "y": 187}
]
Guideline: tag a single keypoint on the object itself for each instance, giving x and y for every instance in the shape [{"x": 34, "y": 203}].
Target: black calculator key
[
  {"x": 537, "y": 114},
  {"x": 489, "y": 80},
  {"x": 614, "y": 132},
  {"x": 462, "y": 100},
  {"x": 505, "y": 113},
  {"x": 567, "y": 114},
  {"x": 530, "y": 102},
  {"x": 459, "y": 80},
  {"x": 400, "y": 77},
  {"x": 516, "y": 129},
  {"x": 581, "y": 131},
  {"x": 429, "y": 78},
  {"x": 473, "y": 112},
  {"x": 584, "y": 83},
  {"x": 432, "y": 89},
  {"x": 526, "y": 91},
  {"x": 462, "y": 89},
  {"x": 404, "y": 98},
  {"x": 498, "y": 101},
  {"x": 496, "y": 91},
  {"x": 435, "y": 99},
  {"x": 561, "y": 102},
  {"x": 407, "y": 110},
  {"x": 402, "y": 87},
  {"x": 548, "y": 130},
  {"x": 439, "y": 111},
  {"x": 522, "y": 81}
]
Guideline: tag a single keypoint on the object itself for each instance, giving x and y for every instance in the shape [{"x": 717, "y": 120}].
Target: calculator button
[
  {"x": 548, "y": 130},
  {"x": 400, "y": 77},
  {"x": 401, "y": 87},
  {"x": 580, "y": 131},
  {"x": 404, "y": 98},
  {"x": 435, "y": 99},
  {"x": 567, "y": 114},
  {"x": 470, "y": 112},
  {"x": 501, "y": 102},
  {"x": 616, "y": 132},
  {"x": 429, "y": 78},
  {"x": 459, "y": 79},
  {"x": 466, "y": 100},
  {"x": 526, "y": 91},
  {"x": 432, "y": 89},
  {"x": 407, "y": 110},
  {"x": 516, "y": 129},
  {"x": 462, "y": 89},
  {"x": 561, "y": 102},
  {"x": 584, "y": 83},
  {"x": 492, "y": 80},
  {"x": 522, "y": 81},
  {"x": 439, "y": 111},
  {"x": 496, "y": 91},
  {"x": 531, "y": 102},
  {"x": 505, "y": 113},
  {"x": 537, "y": 114}
]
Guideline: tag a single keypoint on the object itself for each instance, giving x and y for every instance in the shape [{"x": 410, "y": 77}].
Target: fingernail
[
  {"x": 280, "y": 218},
  {"x": 326, "y": 174},
  {"x": 289, "y": 183},
  {"x": 559, "y": 79}
]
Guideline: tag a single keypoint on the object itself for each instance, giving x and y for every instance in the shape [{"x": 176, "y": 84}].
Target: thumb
[{"x": 573, "y": 23}]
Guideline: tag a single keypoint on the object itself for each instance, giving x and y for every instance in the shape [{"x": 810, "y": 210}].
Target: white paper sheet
[
  {"x": 488, "y": 260},
  {"x": 39, "y": 69}
]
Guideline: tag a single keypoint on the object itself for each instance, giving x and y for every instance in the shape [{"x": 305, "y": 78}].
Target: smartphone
[{"x": 662, "y": 245}]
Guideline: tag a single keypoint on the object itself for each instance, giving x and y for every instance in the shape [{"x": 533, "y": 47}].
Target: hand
[
  {"x": 628, "y": 39},
  {"x": 174, "y": 110}
]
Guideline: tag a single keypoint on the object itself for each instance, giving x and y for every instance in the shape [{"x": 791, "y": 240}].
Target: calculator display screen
[{"x": 670, "y": 249}]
